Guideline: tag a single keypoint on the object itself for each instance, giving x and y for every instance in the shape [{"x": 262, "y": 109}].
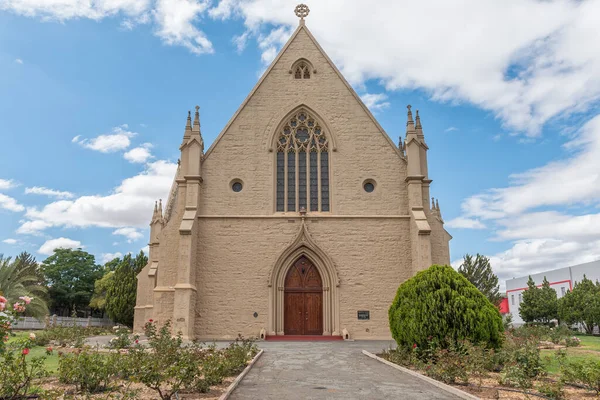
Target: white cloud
[
  {"x": 175, "y": 19},
  {"x": 33, "y": 227},
  {"x": 139, "y": 154},
  {"x": 451, "y": 129},
  {"x": 18, "y": 61},
  {"x": 130, "y": 205},
  {"x": 524, "y": 70},
  {"x": 61, "y": 243},
  {"x": 118, "y": 139},
  {"x": 465, "y": 223},
  {"x": 572, "y": 180},
  {"x": 240, "y": 41},
  {"x": 7, "y": 184},
  {"x": 549, "y": 214},
  {"x": 106, "y": 257},
  {"x": 270, "y": 43},
  {"x": 10, "y": 241},
  {"x": 146, "y": 249},
  {"x": 375, "y": 101},
  {"x": 131, "y": 234},
  {"x": 48, "y": 192},
  {"x": 10, "y": 204}
]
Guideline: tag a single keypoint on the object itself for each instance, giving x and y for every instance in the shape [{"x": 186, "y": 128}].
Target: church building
[{"x": 302, "y": 218}]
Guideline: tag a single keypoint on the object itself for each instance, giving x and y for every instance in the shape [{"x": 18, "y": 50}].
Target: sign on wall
[{"x": 363, "y": 315}]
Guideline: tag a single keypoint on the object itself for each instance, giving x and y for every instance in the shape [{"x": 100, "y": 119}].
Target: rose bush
[{"x": 17, "y": 372}]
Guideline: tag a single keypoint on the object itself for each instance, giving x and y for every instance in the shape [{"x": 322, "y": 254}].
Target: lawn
[
  {"x": 51, "y": 362},
  {"x": 589, "y": 349}
]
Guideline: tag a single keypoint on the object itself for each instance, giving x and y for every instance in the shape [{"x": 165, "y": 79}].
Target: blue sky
[{"x": 94, "y": 96}]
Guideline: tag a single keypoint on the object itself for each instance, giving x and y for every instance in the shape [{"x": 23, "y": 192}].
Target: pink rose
[
  {"x": 25, "y": 351},
  {"x": 2, "y": 306},
  {"x": 3, "y": 299},
  {"x": 26, "y": 299}
]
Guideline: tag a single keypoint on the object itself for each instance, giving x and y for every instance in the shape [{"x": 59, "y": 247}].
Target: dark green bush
[{"x": 441, "y": 304}]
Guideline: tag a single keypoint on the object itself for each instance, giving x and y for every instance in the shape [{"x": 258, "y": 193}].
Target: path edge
[
  {"x": 441, "y": 385},
  {"x": 241, "y": 376}
]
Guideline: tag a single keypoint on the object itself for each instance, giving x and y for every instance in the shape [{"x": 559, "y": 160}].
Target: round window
[
  {"x": 369, "y": 186},
  {"x": 237, "y": 187}
]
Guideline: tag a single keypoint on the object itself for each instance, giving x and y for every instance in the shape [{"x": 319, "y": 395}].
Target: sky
[{"x": 94, "y": 97}]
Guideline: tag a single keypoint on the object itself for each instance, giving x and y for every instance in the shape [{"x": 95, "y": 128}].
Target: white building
[{"x": 561, "y": 280}]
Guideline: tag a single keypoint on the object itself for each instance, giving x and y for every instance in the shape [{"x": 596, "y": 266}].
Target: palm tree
[{"x": 21, "y": 278}]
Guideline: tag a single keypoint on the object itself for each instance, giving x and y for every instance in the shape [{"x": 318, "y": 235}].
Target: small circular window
[
  {"x": 369, "y": 186},
  {"x": 237, "y": 186}
]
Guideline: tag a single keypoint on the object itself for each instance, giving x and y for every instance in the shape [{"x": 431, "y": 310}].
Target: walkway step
[{"x": 303, "y": 338}]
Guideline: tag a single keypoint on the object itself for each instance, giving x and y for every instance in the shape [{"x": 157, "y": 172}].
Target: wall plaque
[{"x": 363, "y": 315}]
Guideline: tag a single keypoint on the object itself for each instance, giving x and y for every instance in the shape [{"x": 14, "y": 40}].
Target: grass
[
  {"x": 588, "y": 350},
  {"x": 51, "y": 362}
]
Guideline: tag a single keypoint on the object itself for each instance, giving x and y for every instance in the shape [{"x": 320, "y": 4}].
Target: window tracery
[
  {"x": 302, "y": 69},
  {"x": 302, "y": 165}
]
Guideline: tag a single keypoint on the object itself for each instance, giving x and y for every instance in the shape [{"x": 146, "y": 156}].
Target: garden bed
[
  {"x": 121, "y": 389},
  {"x": 526, "y": 366},
  {"x": 159, "y": 367}
]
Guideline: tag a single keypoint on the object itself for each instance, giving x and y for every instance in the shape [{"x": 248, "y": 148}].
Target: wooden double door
[{"x": 303, "y": 299}]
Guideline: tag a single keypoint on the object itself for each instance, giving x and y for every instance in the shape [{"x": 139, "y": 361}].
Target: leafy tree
[
  {"x": 539, "y": 304},
  {"x": 479, "y": 272},
  {"x": 70, "y": 275},
  {"x": 121, "y": 293},
  {"x": 581, "y": 305},
  {"x": 21, "y": 278},
  {"x": 101, "y": 286},
  {"x": 440, "y": 304},
  {"x": 548, "y": 303},
  {"x": 529, "y": 308}
]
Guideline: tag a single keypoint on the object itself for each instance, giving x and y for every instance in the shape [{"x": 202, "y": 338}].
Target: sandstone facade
[{"x": 220, "y": 259}]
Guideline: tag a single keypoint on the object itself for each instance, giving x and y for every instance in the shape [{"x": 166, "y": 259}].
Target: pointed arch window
[
  {"x": 302, "y": 69},
  {"x": 302, "y": 165}
]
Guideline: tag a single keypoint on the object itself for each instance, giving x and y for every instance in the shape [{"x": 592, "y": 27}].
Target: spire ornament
[{"x": 301, "y": 11}]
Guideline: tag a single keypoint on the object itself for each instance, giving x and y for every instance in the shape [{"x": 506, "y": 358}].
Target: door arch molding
[{"x": 304, "y": 245}]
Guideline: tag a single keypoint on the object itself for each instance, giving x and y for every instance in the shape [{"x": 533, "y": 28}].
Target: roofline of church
[{"x": 300, "y": 27}]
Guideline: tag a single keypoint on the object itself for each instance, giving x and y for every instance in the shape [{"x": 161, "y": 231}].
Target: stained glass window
[{"x": 302, "y": 147}]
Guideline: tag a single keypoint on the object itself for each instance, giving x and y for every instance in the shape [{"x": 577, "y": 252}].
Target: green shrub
[
  {"x": 67, "y": 336},
  {"x": 440, "y": 303},
  {"x": 522, "y": 353},
  {"x": 404, "y": 356},
  {"x": 122, "y": 340},
  {"x": 572, "y": 341},
  {"x": 514, "y": 375},
  {"x": 447, "y": 365},
  {"x": 552, "y": 390},
  {"x": 17, "y": 371},
  {"x": 89, "y": 370},
  {"x": 558, "y": 334},
  {"x": 531, "y": 332},
  {"x": 585, "y": 372},
  {"x": 168, "y": 368}
]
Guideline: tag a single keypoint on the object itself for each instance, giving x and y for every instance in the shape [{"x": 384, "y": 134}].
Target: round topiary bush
[{"x": 441, "y": 305}]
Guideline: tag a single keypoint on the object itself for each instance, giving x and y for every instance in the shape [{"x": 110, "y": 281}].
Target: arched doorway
[{"x": 303, "y": 299}]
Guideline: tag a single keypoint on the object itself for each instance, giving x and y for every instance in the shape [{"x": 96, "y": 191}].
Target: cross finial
[{"x": 301, "y": 11}]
